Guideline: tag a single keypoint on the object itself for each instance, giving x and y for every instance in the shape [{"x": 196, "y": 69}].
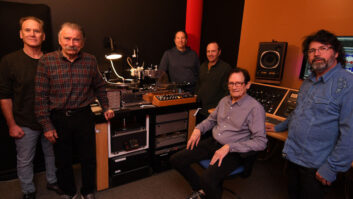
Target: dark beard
[{"x": 320, "y": 66}]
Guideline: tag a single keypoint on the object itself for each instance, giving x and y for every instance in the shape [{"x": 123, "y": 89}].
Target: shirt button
[
  {"x": 224, "y": 126},
  {"x": 228, "y": 117},
  {"x": 219, "y": 134}
]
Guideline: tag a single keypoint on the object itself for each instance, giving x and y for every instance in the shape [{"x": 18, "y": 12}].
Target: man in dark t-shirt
[
  {"x": 17, "y": 73},
  {"x": 181, "y": 63},
  {"x": 212, "y": 82}
]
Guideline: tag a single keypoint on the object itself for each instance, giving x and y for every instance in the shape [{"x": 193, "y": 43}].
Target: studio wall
[
  {"x": 148, "y": 25},
  {"x": 291, "y": 21},
  {"x": 221, "y": 22}
]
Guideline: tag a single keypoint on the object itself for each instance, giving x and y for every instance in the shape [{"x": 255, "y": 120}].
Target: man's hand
[
  {"x": 51, "y": 136},
  {"x": 16, "y": 132},
  {"x": 194, "y": 139},
  {"x": 219, "y": 155},
  {"x": 109, "y": 114},
  {"x": 322, "y": 180},
  {"x": 270, "y": 128}
]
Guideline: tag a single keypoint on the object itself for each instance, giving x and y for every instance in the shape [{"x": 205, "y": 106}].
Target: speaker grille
[{"x": 270, "y": 61}]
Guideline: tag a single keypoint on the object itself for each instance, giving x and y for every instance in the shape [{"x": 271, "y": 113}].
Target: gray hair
[{"x": 73, "y": 26}]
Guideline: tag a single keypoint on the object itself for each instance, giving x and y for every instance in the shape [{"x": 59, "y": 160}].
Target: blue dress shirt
[
  {"x": 241, "y": 125},
  {"x": 320, "y": 129}
]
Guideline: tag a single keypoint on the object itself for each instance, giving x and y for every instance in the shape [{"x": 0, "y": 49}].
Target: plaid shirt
[{"x": 62, "y": 85}]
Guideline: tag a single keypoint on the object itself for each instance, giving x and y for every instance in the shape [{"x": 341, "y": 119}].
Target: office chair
[{"x": 243, "y": 170}]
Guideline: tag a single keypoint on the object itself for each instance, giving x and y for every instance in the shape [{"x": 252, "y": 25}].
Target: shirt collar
[
  {"x": 186, "y": 50},
  {"x": 327, "y": 75},
  {"x": 64, "y": 58},
  {"x": 240, "y": 101},
  {"x": 216, "y": 64}
]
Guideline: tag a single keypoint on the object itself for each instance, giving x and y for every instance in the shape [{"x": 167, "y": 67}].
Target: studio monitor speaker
[{"x": 270, "y": 62}]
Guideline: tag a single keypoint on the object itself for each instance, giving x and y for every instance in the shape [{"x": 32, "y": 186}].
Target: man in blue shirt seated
[
  {"x": 238, "y": 130},
  {"x": 320, "y": 139}
]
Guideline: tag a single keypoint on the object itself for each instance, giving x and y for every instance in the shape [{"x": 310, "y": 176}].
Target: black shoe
[
  {"x": 89, "y": 196},
  {"x": 54, "y": 187},
  {"x": 196, "y": 195},
  {"x": 77, "y": 196},
  {"x": 29, "y": 195}
]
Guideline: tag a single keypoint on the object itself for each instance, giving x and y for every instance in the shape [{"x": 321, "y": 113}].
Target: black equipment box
[
  {"x": 170, "y": 131},
  {"x": 129, "y": 167}
]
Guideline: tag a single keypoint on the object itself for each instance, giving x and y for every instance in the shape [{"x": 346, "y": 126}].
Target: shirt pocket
[
  {"x": 320, "y": 105},
  {"x": 322, "y": 128}
]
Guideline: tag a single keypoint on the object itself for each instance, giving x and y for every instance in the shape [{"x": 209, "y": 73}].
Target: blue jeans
[{"x": 26, "y": 149}]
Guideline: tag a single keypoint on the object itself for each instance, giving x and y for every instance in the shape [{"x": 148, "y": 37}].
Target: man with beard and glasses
[
  {"x": 319, "y": 143},
  {"x": 67, "y": 82}
]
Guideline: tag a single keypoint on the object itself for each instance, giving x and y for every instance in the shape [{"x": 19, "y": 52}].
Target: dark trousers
[
  {"x": 76, "y": 134},
  {"x": 211, "y": 179},
  {"x": 199, "y": 118},
  {"x": 302, "y": 183}
]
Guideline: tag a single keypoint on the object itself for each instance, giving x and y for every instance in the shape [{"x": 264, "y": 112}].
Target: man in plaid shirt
[{"x": 67, "y": 82}]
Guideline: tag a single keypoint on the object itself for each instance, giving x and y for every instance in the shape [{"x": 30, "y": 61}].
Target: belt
[{"x": 71, "y": 112}]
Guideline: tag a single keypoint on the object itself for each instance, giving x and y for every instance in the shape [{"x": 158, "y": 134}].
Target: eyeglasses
[
  {"x": 237, "y": 84},
  {"x": 321, "y": 49}
]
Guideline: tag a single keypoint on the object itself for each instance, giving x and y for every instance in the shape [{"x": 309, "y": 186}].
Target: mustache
[
  {"x": 70, "y": 48},
  {"x": 318, "y": 59}
]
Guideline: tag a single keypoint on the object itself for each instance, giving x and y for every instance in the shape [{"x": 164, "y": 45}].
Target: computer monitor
[{"x": 347, "y": 42}]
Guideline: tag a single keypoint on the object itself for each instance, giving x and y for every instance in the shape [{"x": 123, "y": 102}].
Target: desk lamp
[{"x": 113, "y": 56}]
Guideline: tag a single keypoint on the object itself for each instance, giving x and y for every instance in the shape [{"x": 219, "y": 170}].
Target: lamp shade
[{"x": 113, "y": 56}]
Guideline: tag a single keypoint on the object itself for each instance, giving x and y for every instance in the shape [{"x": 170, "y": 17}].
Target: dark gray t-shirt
[
  {"x": 181, "y": 67},
  {"x": 212, "y": 84},
  {"x": 17, "y": 73}
]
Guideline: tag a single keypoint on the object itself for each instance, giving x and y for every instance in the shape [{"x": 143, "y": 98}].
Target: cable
[
  {"x": 109, "y": 82},
  {"x": 112, "y": 66}
]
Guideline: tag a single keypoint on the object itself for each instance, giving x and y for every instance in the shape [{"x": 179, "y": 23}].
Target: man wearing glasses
[
  {"x": 238, "y": 131},
  {"x": 319, "y": 143}
]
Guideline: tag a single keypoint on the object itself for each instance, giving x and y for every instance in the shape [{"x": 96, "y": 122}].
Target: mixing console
[
  {"x": 278, "y": 102},
  {"x": 269, "y": 97},
  {"x": 173, "y": 99}
]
